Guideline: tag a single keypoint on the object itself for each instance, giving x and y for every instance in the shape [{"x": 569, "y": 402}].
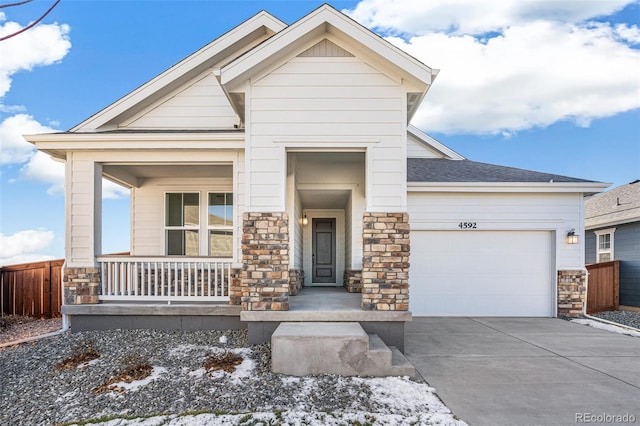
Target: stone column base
[
  {"x": 81, "y": 285},
  {"x": 265, "y": 258},
  {"x": 296, "y": 281},
  {"x": 353, "y": 280},
  {"x": 385, "y": 262},
  {"x": 572, "y": 293}
]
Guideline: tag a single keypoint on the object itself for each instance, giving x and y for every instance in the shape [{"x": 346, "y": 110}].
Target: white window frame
[
  {"x": 609, "y": 251},
  {"x": 183, "y": 227},
  {"x": 221, "y": 227}
]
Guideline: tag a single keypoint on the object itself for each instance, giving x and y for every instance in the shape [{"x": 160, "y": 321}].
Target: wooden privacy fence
[
  {"x": 604, "y": 287},
  {"x": 31, "y": 289}
]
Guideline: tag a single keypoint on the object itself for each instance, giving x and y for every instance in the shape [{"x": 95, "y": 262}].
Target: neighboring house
[
  {"x": 612, "y": 232},
  {"x": 278, "y": 156}
]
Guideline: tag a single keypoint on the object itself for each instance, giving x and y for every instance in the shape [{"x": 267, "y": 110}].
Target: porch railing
[{"x": 164, "y": 279}]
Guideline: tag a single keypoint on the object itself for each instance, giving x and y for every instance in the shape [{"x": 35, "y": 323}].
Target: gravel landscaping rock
[
  {"x": 35, "y": 392},
  {"x": 628, "y": 318},
  {"x": 16, "y": 327}
]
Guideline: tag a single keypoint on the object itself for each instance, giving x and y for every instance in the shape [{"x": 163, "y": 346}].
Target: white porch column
[{"x": 83, "y": 205}]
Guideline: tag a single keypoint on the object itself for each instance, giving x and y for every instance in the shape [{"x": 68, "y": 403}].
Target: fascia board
[
  {"x": 523, "y": 187},
  {"x": 193, "y": 61},
  {"x": 57, "y": 143},
  {"x": 438, "y": 146},
  {"x": 607, "y": 224},
  {"x": 324, "y": 19}
]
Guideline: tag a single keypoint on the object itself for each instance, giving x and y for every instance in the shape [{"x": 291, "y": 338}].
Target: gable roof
[
  {"x": 325, "y": 20},
  {"x": 230, "y": 44},
  {"x": 617, "y": 206}
]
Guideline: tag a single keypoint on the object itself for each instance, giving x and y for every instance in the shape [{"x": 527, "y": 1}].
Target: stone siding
[
  {"x": 81, "y": 285},
  {"x": 235, "y": 292},
  {"x": 572, "y": 293},
  {"x": 385, "y": 262},
  {"x": 353, "y": 280},
  {"x": 265, "y": 258},
  {"x": 296, "y": 281}
]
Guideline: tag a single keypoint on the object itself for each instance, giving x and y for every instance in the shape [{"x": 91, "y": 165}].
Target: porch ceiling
[
  {"x": 134, "y": 174},
  {"x": 324, "y": 198}
]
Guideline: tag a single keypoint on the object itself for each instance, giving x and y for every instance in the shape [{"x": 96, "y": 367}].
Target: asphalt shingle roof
[
  {"x": 619, "y": 205},
  {"x": 444, "y": 170}
]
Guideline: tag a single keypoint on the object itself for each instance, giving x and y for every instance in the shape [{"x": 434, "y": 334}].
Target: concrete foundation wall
[{"x": 155, "y": 322}]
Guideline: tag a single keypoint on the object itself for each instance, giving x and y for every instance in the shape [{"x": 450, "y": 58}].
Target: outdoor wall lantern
[
  {"x": 572, "y": 237},
  {"x": 305, "y": 220}
]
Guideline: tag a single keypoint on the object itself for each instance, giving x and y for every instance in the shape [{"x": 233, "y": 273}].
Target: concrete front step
[{"x": 343, "y": 348}]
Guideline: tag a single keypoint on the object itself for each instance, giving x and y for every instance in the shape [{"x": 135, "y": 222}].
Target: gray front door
[{"x": 324, "y": 250}]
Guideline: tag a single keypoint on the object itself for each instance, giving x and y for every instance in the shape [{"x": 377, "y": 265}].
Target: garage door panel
[{"x": 498, "y": 273}]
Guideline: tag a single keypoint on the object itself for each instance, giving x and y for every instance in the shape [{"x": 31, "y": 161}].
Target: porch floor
[{"x": 325, "y": 299}]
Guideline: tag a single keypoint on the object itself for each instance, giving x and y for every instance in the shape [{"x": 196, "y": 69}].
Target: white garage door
[{"x": 483, "y": 273}]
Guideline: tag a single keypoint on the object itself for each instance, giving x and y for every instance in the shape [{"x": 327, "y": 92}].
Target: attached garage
[{"x": 482, "y": 273}]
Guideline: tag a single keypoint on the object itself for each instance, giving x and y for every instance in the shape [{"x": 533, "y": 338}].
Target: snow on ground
[
  {"x": 402, "y": 402},
  {"x": 137, "y": 384},
  {"x": 607, "y": 327},
  {"x": 242, "y": 371},
  {"x": 286, "y": 417}
]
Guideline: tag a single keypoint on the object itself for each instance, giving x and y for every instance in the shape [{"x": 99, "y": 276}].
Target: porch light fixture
[
  {"x": 572, "y": 237},
  {"x": 305, "y": 220}
]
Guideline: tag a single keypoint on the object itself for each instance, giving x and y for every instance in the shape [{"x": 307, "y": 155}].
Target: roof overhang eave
[{"x": 586, "y": 188}]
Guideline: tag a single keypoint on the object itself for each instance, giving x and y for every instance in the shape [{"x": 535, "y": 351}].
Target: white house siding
[
  {"x": 239, "y": 190},
  {"x": 200, "y": 104},
  {"x": 416, "y": 149},
  {"x": 332, "y": 103},
  {"x": 297, "y": 224},
  {"x": 348, "y": 233},
  {"x": 148, "y": 206},
  {"x": 535, "y": 224}
]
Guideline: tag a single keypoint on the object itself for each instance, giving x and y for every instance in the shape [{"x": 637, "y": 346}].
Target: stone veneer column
[
  {"x": 265, "y": 258},
  {"x": 81, "y": 285},
  {"x": 296, "y": 281},
  {"x": 353, "y": 280},
  {"x": 385, "y": 262},
  {"x": 572, "y": 293},
  {"x": 235, "y": 292}
]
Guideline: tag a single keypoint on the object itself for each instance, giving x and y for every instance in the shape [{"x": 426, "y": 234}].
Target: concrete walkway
[{"x": 526, "y": 371}]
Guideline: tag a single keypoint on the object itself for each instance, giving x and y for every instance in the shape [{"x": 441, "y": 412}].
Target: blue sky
[{"x": 535, "y": 84}]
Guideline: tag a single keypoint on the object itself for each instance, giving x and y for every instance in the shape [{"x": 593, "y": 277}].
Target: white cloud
[
  {"x": 419, "y": 17},
  {"x": 628, "y": 33},
  {"x": 23, "y": 246},
  {"x": 13, "y": 147},
  {"x": 42, "y": 168},
  {"x": 538, "y": 69},
  {"x": 44, "y": 44},
  {"x": 38, "y": 166}
]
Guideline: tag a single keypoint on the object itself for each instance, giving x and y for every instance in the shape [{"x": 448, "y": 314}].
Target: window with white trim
[
  {"x": 220, "y": 224},
  {"x": 604, "y": 245},
  {"x": 182, "y": 223}
]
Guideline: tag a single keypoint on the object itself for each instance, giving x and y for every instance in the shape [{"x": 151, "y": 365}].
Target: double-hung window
[
  {"x": 182, "y": 223},
  {"x": 220, "y": 224},
  {"x": 187, "y": 235},
  {"x": 604, "y": 245}
]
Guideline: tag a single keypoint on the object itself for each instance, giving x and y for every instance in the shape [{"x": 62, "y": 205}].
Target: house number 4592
[{"x": 468, "y": 225}]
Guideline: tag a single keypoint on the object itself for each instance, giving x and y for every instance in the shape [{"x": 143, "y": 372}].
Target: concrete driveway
[{"x": 527, "y": 371}]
